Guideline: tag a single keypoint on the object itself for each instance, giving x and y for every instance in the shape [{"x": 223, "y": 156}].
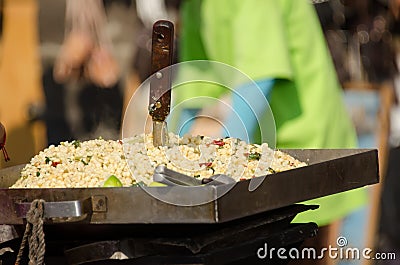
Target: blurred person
[
  {"x": 280, "y": 45},
  {"x": 82, "y": 99}
]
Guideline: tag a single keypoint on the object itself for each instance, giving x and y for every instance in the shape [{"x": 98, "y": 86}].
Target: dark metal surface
[
  {"x": 224, "y": 244},
  {"x": 328, "y": 172},
  {"x": 160, "y": 85},
  {"x": 207, "y": 244},
  {"x": 137, "y": 252}
]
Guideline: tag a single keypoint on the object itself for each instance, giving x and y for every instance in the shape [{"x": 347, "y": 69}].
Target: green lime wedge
[
  {"x": 112, "y": 181},
  {"x": 156, "y": 184}
]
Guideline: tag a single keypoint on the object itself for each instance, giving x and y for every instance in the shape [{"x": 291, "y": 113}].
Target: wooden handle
[{"x": 161, "y": 57}]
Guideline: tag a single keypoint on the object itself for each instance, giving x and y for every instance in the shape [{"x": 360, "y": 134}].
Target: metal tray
[{"x": 329, "y": 171}]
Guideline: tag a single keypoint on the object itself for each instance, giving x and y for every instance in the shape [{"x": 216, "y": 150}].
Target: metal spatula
[{"x": 170, "y": 177}]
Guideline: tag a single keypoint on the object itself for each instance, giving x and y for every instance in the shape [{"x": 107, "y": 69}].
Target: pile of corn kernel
[{"x": 90, "y": 163}]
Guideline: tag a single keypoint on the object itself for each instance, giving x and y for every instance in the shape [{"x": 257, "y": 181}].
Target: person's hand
[
  {"x": 87, "y": 49},
  {"x": 209, "y": 121},
  {"x": 206, "y": 126}
]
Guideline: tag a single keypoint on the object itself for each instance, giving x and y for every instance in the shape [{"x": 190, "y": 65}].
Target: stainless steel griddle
[{"x": 329, "y": 171}]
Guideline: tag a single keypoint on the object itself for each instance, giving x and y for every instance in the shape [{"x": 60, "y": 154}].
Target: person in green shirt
[{"x": 279, "y": 44}]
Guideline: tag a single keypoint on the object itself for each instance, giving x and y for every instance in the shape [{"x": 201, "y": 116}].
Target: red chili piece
[
  {"x": 54, "y": 164},
  {"x": 207, "y": 164},
  {"x": 219, "y": 142}
]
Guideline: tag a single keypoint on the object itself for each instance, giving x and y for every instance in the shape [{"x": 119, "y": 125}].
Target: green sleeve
[{"x": 191, "y": 44}]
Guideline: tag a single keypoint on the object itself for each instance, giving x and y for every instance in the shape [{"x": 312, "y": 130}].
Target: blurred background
[{"x": 43, "y": 102}]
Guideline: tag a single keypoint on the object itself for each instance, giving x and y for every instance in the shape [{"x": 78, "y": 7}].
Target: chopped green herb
[
  {"x": 138, "y": 184},
  {"x": 84, "y": 161},
  {"x": 271, "y": 170},
  {"x": 196, "y": 176},
  {"x": 37, "y": 174},
  {"x": 76, "y": 143},
  {"x": 47, "y": 160},
  {"x": 254, "y": 156}
]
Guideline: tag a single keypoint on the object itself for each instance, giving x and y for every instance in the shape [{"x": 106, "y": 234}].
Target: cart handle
[{"x": 63, "y": 209}]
